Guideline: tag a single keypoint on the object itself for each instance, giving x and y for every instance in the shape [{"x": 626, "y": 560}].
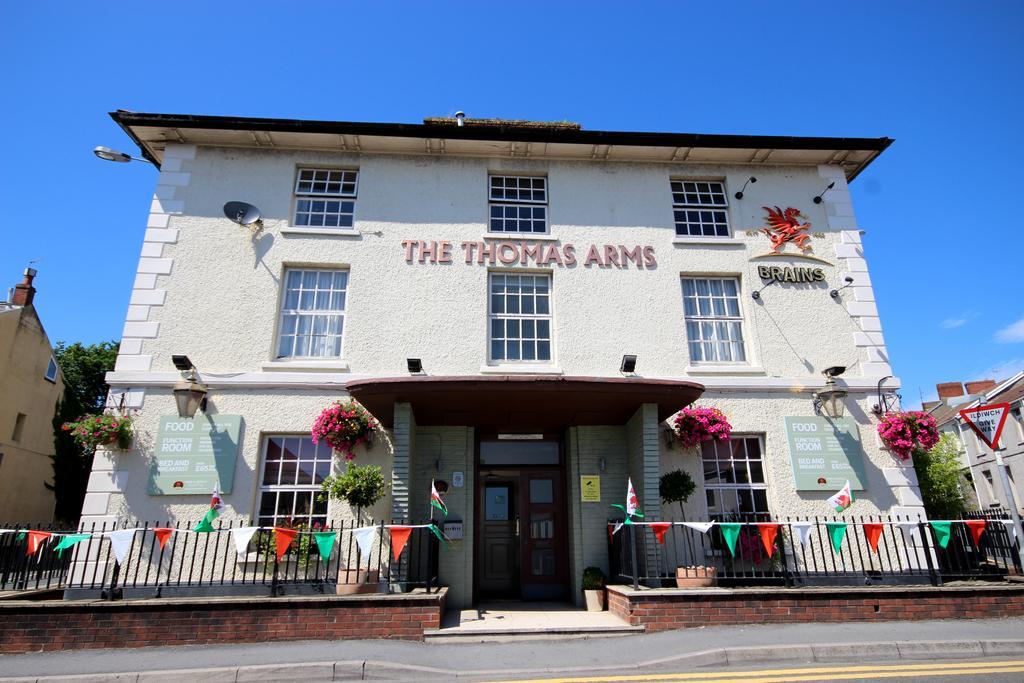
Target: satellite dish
[{"x": 242, "y": 213}]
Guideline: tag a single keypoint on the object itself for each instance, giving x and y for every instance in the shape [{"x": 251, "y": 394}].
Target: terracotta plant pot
[
  {"x": 356, "y": 581},
  {"x": 595, "y": 600},
  {"x": 696, "y": 577}
]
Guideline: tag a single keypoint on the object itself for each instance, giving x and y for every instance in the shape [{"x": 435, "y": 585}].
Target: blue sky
[{"x": 941, "y": 207}]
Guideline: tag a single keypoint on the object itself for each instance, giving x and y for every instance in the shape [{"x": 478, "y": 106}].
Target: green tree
[
  {"x": 359, "y": 486},
  {"x": 938, "y": 474},
  {"x": 84, "y": 370}
]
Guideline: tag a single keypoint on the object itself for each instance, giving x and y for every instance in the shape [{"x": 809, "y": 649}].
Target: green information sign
[
  {"x": 191, "y": 456},
  {"x": 825, "y": 452}
]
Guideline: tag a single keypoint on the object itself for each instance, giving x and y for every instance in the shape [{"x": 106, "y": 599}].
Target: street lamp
[
  {"x": 189, "y": 393},
  {"x": 830, "y": 399},
  {"x": 108, "y": 154}
]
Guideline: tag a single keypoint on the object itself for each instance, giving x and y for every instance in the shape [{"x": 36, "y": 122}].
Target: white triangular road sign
[{"x": 987, "y": 421}]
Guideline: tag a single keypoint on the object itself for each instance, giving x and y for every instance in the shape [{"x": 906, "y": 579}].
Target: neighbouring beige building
[{"x": 30, "y": 386}]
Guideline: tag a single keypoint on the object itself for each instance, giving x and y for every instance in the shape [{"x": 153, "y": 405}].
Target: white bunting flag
[
  {"x": 1010, "y": 529},
  {"x": 802, "y": 531},
  {"x": 618, "y": 525},
  {"x": 242, "y": 536},
  {"x": 910, "y": 527},
  {"x": 699, "y": 526},
  {"x": 120, "y": 542},
  {"x": 364, "y": 539}
]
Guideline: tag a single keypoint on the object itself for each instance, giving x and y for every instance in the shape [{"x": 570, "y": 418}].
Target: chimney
[
  {"x": 24, "y": 292},
  {"x": 949, "y": 390},
  {"x": 979, "y": 386}
]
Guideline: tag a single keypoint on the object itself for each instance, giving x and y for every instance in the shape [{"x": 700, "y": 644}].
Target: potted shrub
[
  {"x": 593, "y": 589},
  {"x": 93, "y": 431},
  {"x": 361, "y": 487},
  {"x": 344, "y": 425},
  {"x": 677, "y": 487}
]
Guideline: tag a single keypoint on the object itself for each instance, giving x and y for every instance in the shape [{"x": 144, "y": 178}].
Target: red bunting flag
[
  {"x": 282, "y": 539},
  {"x": 768, "y": 534},
  {"x": 35, "y": 540},
  {"x": 977, "y": 527},
  {"x": 873, "y": 532},
  {"x": 659, "y": 529},
  {"x": 399, "y": 537},
  {"x": 162, "y": 534}
]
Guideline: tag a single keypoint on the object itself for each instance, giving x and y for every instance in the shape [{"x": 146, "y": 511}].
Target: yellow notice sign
[{"x": 590, "y": 489}]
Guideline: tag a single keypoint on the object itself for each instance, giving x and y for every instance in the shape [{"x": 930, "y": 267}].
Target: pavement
[{"x": 732, "y": 646}]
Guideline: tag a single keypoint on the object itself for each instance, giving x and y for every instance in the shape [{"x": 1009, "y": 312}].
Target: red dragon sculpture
[{"x": 785, "y": 226}]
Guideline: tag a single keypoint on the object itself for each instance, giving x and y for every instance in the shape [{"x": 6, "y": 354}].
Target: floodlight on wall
[
  {"x": 628, "y": 365},
  {"x": 108, "y": 154},
  {"x": 189, "y": 393},
  {"x": 817, "y": 199},
  {"x": 834, "y": 293},
  {"x": 751, "y": 179},
  {"x": 830, "y": 400},
  {"x": 415, "y": 366}
]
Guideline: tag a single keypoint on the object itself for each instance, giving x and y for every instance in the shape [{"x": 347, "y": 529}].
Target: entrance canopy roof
[{"x": 535, "y": 402}]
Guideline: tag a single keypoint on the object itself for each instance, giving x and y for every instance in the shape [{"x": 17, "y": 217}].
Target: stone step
[{"x": 504, "y": 635}]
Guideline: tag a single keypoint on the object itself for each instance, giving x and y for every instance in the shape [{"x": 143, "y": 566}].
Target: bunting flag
[
  {"x": 242, "y": 535},
  {"x": 434, "y": 529},
  {"x": 120, "y": 541},
  {"x": 977, "y": 528},
  {"x": 702, "y": 527},
  {"x": 836, "y": 532},
  {"x": 1011, "y": 529},
  {"x": 163, "y": 534},
  {"x": 730, "y": 533},
  {"x": 20, "y": 537},
  {"x": 615, "y": 529},
  {"x": 908, "y": 527},
  {"x": 399, "y": 537},
  {"x": 941, "y": 531},
  {"x": 364, "y": 539},
  {"x": 216, "y": 505},
  {"x": 36, "y": 540},
  {"x": 324, "y": 543},
  {"x": 659, "y": 529},
  {"x": 283, "y": 539},
  {"x": 435, "y": 499},
  {"x": 802, "y": 530},
  {"x": 768, "y": 534},
  {"x": 68, "y": 541},
  {"x": 842, "y": 499},
  {"x": 632, "y": 506},
  {"x": 873, "y": 532}
]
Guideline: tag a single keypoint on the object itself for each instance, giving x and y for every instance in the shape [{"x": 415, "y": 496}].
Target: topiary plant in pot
[
  {"x": 677, "y": 487},
  {"x": 361, "y": 486},
  {"x": 593, "y": 589}
]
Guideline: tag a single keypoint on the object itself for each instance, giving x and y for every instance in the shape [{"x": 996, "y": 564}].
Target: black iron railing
[
  {"x": 208, "y": 563},
  {"x": 804, "y": 552}
]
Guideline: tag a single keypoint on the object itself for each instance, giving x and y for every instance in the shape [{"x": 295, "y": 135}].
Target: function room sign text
[
  {"x": 825, "y": 453},
  {"x": 526, "y": 253},
  {"x": 194, "y": 455}
]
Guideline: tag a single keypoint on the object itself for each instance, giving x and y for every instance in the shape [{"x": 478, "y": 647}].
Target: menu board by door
[
  {"x": 825, "y": 452},
  {"x": 192, "y": 455}
]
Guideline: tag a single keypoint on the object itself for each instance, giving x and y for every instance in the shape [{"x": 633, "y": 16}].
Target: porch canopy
[{"x": 544, "y": 403}]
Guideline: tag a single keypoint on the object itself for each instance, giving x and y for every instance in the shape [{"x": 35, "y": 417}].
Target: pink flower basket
[
  {"x": 694, "y": 426},
  {"x": 906, "y": 432},
  {"x": 343, "y": 426}
]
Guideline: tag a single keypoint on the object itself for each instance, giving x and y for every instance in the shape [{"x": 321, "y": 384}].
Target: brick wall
[
  {"x": 676, "y": 609},
  {"x": 58, "y": 625}
]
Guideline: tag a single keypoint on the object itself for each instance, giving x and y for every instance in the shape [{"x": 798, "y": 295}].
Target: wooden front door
[
  {"x": 499, "y": 539},
  {"x": 544, "y": 546}
]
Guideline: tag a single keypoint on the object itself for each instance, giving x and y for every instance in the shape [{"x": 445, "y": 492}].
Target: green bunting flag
[
  {"x": 941, "y": 531},
  {"x": 20, "y": 537},
  {"x": 437, "y": 532},
  {"x": 836, "y": 532},
  {"x": 68, "y": 541},
  {"x": 730, "y": 532},
  {"x": 324, "y": 543},
  {"x": 205, "y": 524}
]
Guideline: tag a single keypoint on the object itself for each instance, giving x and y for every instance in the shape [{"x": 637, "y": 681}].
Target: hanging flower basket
[
  {"x": 906, "y": 432},
  {"x": 343, "y": 426},
  {"x": 694, "y": 426},
  {"x": 93, "y": 431}
]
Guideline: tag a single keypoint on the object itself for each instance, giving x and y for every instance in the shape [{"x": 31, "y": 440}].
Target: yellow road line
[{"x": 806, "y": 674}]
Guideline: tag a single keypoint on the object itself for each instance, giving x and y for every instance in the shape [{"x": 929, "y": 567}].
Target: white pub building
[{"x": 523, "y": 306}]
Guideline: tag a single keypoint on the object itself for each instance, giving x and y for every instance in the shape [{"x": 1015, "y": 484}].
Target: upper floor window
[
  {"x": 518, "y": 204},
  {"x": 313, "y": 313},
  {"x": 700, "y": 208},
  {"x": 520, "y": 318},
  {"x": 325, "y": 197},
  {"x": 714, "y": 325},
  {"x": 51, "y": 371}
]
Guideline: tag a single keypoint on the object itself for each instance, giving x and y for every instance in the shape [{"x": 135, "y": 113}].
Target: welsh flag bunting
[
  {"x": 216, "y": 505},
  {"x": 435, "y": 499},
  {"x": 399, "y": 537},
  {"x": 768, "y": 534},
  {"x": 632, "y": 506},
  {"x": 977, "y": 528},
  {"x": 941, "y": 531},
  {"x": 324, "y": 543},
  {"x": 836, "y": 533},
  {"x": 163, "y": 534},
  {"x": 873, "y": 532},
  {"x": 730, "y": 533},
  {"x": 659, "y": 529},
  {"x": 282, "y": 539},
  {"x": 36, "y": 540},
  {"x": 68, "y": 541},
  {"x": 842, "y": 499}
]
